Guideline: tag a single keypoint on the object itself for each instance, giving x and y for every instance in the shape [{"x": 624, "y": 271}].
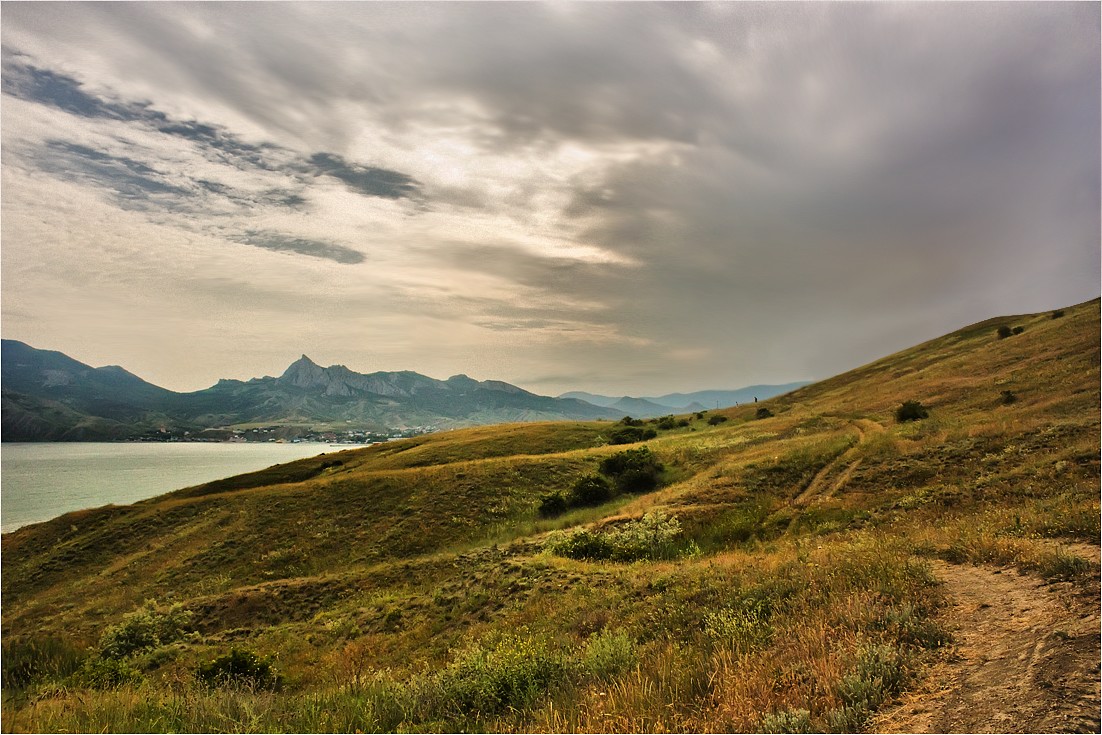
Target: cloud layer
[{"x": 621, "y": 198}]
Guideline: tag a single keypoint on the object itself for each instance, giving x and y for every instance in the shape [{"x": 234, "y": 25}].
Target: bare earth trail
[
  {"x": 1025, "y": 658},
  {"x": 814, "y": 489}
]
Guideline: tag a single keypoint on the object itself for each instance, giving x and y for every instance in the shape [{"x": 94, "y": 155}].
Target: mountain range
[
  {"x": 49, "y": 396},
  {"x": 647, "y": 407}
]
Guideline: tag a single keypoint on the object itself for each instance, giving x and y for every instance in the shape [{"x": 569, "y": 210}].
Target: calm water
[{"x": 41, "y": 481}]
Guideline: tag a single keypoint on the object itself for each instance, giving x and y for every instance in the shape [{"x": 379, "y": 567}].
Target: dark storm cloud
[{"x": 302, "y": 246}]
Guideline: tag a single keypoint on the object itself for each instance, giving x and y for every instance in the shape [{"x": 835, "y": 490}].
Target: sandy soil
[{"x": 1025, "y": 658}]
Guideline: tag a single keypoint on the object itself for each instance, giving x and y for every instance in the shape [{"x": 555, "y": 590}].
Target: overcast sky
[{"x": 622, "y": 198}]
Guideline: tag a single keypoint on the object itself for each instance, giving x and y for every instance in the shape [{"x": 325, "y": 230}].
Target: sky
[{"x": 614, "y": 197}]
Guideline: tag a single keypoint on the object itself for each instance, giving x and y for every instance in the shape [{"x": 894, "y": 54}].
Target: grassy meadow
[{"x": 766, "y": 570}]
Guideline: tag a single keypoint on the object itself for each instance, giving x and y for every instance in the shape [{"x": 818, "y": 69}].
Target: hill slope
[{"x": 791, "y": 584}]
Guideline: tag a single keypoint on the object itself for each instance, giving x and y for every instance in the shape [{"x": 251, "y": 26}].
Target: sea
[{"x": 42, "y": 480}]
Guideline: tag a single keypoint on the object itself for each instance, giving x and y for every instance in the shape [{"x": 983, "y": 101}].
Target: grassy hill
[{"x": 780, "y": 577}]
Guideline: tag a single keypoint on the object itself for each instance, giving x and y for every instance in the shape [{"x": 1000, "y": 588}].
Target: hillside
[
  {"x": 823, "y": 568},
  {"x": 48, "y": 396}
]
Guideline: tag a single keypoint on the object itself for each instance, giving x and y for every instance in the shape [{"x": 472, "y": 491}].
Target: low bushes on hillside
[
  {"x": 242, "y": 669},
  {"x": 144, "y": 629},
  {"x": 655, "y": 536},
  {"x": 911, "y": 411},
  {"x": 633, "y": 470},
  {"x": 630, "y": 471},
  {"x": 630, "y": 435}
]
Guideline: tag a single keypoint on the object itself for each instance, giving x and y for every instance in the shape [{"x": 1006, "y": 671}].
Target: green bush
[
  {"x": 1008, "y": 397},
  {"x": 144, "y": 629},
  {"x": 240, "y": 669},
  {"x": 591, "y": 490},
  {"x": 666, "y": 423},
  {"x": 629, "y": 421},
  {"x": 879, "y": 674},
  {"x": 911, "y": 411},
  {"x": 553, "y": 504},
  {"x": 630, "y": 435},
  {"x": 580, "y": 544},
  {"x": 763, "y": 413},
  {"x": 499, "y": 675},
  {"x": 1017, "y": 330},
  {"x": 788, "y": 720},
  {"x": 655, "y": 536},
  {"x": 1003, "y": 331},
  {"x": 716, "y": 420},
  {"x": 107, "y": 673},
  {"x": 608, "y": 654},
  {"x": 633, "y": 471},
  {"x": 1057, "y": 314}
]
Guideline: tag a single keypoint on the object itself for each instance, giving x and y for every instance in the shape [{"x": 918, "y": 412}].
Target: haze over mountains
[
  {"x": 48, "y": 396},
  {"x": 684, "y": 402}
]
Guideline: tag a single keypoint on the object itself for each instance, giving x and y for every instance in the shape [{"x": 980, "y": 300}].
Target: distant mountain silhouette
[
  {"x": 647, "y": 407},
  {"x": 48, "y": 396}
]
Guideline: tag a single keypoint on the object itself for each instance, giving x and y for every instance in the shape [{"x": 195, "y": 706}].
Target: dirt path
[
  {"x": 815, "y": 488},
  {"x": 1025, "y": 658}
]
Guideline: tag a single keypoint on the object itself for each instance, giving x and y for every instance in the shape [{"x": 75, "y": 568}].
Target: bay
[{"x": 42, "y": 480}]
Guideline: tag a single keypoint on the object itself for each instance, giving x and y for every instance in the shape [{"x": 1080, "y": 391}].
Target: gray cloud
[
  {"x": 367, "y": 180},
  {"x": 788, "y": 188},
  {"x": 134, "y": 183},
  {"x": 302, "y": 246}
]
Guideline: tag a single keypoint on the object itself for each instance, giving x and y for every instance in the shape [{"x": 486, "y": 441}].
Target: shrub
[
  {"x": 1003, "y": 331},
  {"x": 631, "y": 434},
  {"x": 107, "y": 673},
  {"x": 716, "y": 420},
  {"x": 608, "y": 654},
  {"x": 552, "y": 505},
  {"x": 879, "y": 674},
  {"x": 682, "y": 423},
  {"x": 699, "y": 415},
  {"x": 579, "y": 544},
  {"x": 629, "y": 421},
  {"x": 240, "y": 669},
  {"x": 763, "y": 413},
  {"x": 1008, "y": 397},
  {"x": 1017, "y": 330},
  {"x": 655, "y": 536},
  {"x": 496, "y": 676},
  {"x": 591, "y": 490},
  {"x": 1057, "y": 314},
  {"x": 666, "y": 423},
  {"x": 788, "y": 720},
  {"x": 911, "y": 411},
  {"x": 633, "y": 471},
  {"x": 145, "y": 629}
]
